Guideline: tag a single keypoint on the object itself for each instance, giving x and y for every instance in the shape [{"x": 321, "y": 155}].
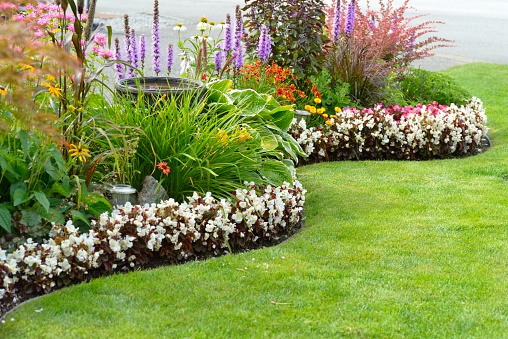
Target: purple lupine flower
[
  {"x": 336, "y": 22},
  {"x": 127, "y": 39},
  {"x": 142, "y": 50},
  {"x": 169, "y": 58},
  {"x": 350, "y": 23},
  {"x": 119, "y": 68},
  {"x": 265, "y": 44},
  {"x": 156, "y": 53},
  {"x": 219, "y": 55},
  {"x": 237, "y": 44},
  {"x": 227, "y": 34}
]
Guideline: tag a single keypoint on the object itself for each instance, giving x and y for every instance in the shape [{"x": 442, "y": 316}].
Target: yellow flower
[
  {"x": 333, "y": 116},
  {"x": 204, "y": 19},
  {"x": 337, "y": 110},
  {"x": 328, "y": 122},
  {"x": 212, "y": 23},
  {"x": 320, "y": 110},
  {"x": 28, "y": 68},
  {"x": 317, "y": 100},
  {"x": 3, "y": 91},
  {"x": 79, "y": 151},
  {"x": 325, "y": 116},
  {"x": 53, "y": 90},
  {"x": 243, "y": 134},
  {"x": 307, "y": 108},
  {"x": 50, "y": 78},
  {"x": 312, "y": 110},
  {"x": 223, "y": 137}
]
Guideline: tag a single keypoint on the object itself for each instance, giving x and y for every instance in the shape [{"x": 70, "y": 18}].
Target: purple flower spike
[
  {"x": 227, "y": 34},
  {"x": 219, "y": 55},
  {"x": 119, "y": 68},
  {"x": 265, "y": 44},
  {"x": 133, "y": 53},
  {"x": 336, "y": 22},
  {"x": 350, "y": 23},
  {"x": 237, "y": 44},
  {"x": 156, "y": 53},
  {"x": 127, "y": 39},
  {"x": 170, "y": 58},
  {"x": 142, "y": 50}
]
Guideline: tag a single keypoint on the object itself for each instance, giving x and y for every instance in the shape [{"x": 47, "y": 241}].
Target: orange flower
[{"x": 163, "y": 166}]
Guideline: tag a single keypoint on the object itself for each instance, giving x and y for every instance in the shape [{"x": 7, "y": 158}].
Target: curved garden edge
[{"x": 133, "y": 237}]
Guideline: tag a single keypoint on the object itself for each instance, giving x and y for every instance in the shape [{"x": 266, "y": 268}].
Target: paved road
[{"x": 479, "y": 28}]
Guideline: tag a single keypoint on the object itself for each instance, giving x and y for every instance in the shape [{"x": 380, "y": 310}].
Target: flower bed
[
  {"x": 400, "y": 133},
  {"x": 131, "y": 236}
]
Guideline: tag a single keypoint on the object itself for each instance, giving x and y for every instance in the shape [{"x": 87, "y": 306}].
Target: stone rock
[{"x": 151, "y": 192}]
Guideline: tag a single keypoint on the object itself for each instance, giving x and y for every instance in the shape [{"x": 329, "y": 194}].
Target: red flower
[{"x": 163, "y": 166}]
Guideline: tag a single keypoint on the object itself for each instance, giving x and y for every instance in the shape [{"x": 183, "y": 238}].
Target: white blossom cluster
[
  {"x": 421, "y": 132},
  {"x": 69, "y": 254}
]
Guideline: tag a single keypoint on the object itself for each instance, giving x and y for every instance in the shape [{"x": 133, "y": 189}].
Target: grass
[{"x": 389, "y": 250}]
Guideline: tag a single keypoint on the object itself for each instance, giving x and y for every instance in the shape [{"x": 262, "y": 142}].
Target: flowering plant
[
  {"x": 394, "y": 132},
  {"x": 130, "y": 235},
  {"x": 368, "y": 47}
]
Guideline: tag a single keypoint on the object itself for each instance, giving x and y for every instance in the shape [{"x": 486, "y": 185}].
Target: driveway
[{"x": 479, "y": 28}]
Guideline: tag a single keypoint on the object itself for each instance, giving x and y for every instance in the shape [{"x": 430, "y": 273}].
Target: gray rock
[{"x": 151, "y": 191}]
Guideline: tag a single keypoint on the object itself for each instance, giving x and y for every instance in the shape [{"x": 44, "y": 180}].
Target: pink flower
[
  {"x": 95, "y": 49},
  {"x": 106, "y": 54},
  {"x": 100, "y": 39}
]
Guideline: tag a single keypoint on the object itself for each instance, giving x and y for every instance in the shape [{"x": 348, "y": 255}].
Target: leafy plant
[
  {"x": 368, "y": 48},
  {"x": 296, "y": 29},
  {"x": 37, "y": 190},
  {"x": 420, "y": 85},
  {"x": 206, "y": 147}
]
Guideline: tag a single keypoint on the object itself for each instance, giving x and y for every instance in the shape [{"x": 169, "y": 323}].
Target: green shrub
[{"x": 424, "y": 86}]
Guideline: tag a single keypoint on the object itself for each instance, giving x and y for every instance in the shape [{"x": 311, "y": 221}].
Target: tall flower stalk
[
  {"x": 227, "y": 35},
  {"x": 169, "y": 61},
  {"x": 156, "y": 54},
  {"x": 350, "y": 23},
  {"x": 265, "y": 44},
  {"x": 219, "y": 56},
  {"x": 237, "y": 44},
  {"x": 127, "y": 39},
  {"x": 336, "y": 22},
  {"x": 119, "y": 68},
  {"x": 133, "y": 51},
  {"x": 142, "y": 51}
]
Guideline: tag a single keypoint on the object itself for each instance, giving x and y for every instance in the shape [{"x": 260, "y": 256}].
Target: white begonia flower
[{"x": 114, "y": 245}]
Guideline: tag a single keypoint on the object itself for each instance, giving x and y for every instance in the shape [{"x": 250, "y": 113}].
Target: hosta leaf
[{"x": 276, "y": 172}]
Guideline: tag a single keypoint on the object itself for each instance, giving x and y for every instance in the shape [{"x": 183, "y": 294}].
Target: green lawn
[{"x": 388, "y": 250}]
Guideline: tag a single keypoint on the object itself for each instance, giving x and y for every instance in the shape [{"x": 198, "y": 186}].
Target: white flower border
[
  {"x": 207, "y": 222},
  {"x": 426, "y": 132}
]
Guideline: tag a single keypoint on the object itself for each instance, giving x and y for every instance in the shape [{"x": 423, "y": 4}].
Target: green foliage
[
  {"x": 419, "y": 85},
  {"x": 37, "y": 190},
  {"x": 296, "y": 29},
  {"x": 334, "y": 92},
  {"x": 211, "y": 145}
]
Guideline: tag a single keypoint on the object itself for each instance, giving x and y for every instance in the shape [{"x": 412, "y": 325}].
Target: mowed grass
[{"x": 388, "y": 250}]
